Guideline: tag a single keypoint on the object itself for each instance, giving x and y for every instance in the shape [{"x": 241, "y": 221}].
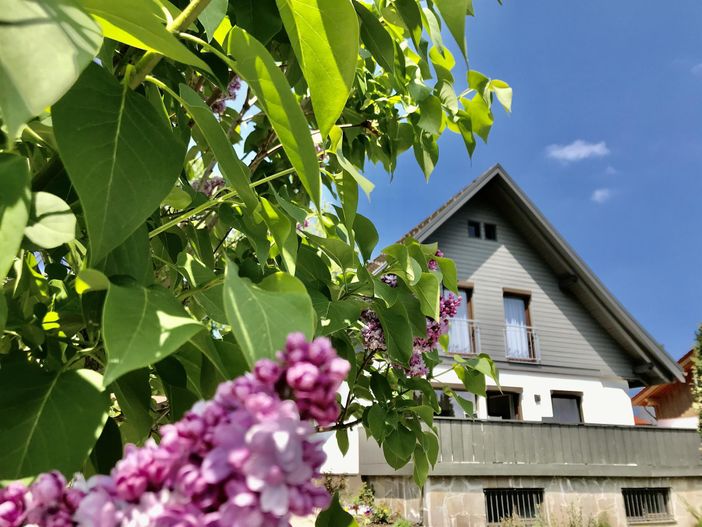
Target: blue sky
[{"x": 619, "y": 85}]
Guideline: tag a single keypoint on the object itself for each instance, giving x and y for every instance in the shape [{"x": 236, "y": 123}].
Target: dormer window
[
  {"x": 490, "y": 231},
  {"x": 473, "y": 229}
]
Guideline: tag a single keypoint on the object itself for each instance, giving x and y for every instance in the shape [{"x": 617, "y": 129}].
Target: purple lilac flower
[
  {"x": 233, "y": 87},
  {"x": 372, "y": 332},
  {"x": 209, "y": 186},
  {"x": 432, "y": 264},
  {"x": 389, "y": 279},
  {"x": 247, "y": 458}
]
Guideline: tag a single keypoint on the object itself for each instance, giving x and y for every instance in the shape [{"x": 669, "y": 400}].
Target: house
[
  {"x": 671, "y": 405},
  {"x": 560, "y": 433}
]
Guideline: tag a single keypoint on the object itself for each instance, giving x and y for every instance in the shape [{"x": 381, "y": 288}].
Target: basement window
[
  {"x": 521, "y": 505},
  {"x": 647, "y": 505},
  {"x": 473, "y": 229}
]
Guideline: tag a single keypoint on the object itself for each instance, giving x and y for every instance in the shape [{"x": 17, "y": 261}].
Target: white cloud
[
  {"x": 601, "y": 195},
  {"x": 697, "y": 69},
  {"x": 577, "y": 151},
  {"x": 611, "y": 171}
]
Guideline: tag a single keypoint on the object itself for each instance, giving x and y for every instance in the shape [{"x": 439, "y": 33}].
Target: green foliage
[
  {"x": 697, "y": 374},
  {"x": 161, "y": 217}
]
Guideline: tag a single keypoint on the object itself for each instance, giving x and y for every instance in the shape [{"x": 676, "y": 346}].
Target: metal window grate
[
  {"x": 647, "y": 504},
  {"x": 502, "y": 504}
]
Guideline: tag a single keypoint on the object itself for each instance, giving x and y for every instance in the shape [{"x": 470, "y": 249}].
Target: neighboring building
[
  {"x": 670, "y": 405},
  {"x": 561, "y": 430}
]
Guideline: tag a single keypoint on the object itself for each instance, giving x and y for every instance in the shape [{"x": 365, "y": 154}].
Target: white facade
[
  {"x": 602, "y": 401},
  {"x": 679, "y": 422}
]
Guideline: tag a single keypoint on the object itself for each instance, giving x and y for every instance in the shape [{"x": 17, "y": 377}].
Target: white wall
[
  {"x": 679, "y": 422},
  {"x": 604, "y": 401}
]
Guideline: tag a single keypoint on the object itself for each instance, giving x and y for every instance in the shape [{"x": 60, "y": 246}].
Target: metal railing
[
  {"x": 464, "y": 336},
  {"x": 512, "y": 503},
  {"x": 646, "y": 505},
  {"x": 522, "y": 343}
]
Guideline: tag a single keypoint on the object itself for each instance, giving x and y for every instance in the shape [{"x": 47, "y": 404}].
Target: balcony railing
[
  {"x": 517, "y": 448},
  {"x": 522, "y": 343},
  {"x": 464, "y": 336}
]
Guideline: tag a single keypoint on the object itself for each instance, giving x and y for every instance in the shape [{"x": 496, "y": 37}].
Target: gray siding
[
  {"x": 504, "y": 448},
  {"x": 569, "y": 335}
]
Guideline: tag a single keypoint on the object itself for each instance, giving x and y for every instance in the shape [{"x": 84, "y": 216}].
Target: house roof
[
  {"x": 652, "y": 364},
  {"x": 642, "y": 398}
]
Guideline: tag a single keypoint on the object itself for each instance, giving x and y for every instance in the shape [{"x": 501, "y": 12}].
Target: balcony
[
  {"x": 464, "y": 336},
  {"x": 515, "y": 448},
  {"x": 522, "y": 343}
]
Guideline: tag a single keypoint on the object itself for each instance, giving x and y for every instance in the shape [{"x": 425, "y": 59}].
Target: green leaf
[
  {"x": 236, "y": 173},
  {"x": 336, "y": 136},
  {"x": 480, "y": 116},
  {"x": 376, "y": 38},
  {"x": 426, "y": 152},
  {"x": 91, "y": 280},
  {"x": 44, "y": 46},
  {"x": 260, "y": 18},
  {"x": 139, "y": 23},
  {"x": 454, "y": 14},
  {"x": 335, "y": 516},
  {"x": 431, "y": 115},
  {"x": 256, "y": 66},
  {"x": 448, "y": 272},
  {"x": 262, "y": 315},
  {"x": 108, "y": 449},
  {"x": 398, "y": 333},
  {"x": 503, "y": 92},
  {"x": 3, "y": 312},
  {"x": 401, "y": 442},
  {"x": 431, "y": 447},
  {"x": 212, "y": 16},
  {"x": 142, "y": 326},
  {"x": 421, "y": 466},
  {"x": 199, "y": 275},
  {"x": 473, "y": 380},
  {"x": 484, "y": 364},
  {"x": 427, "y": 291},
  {"x": 106, "y": 134},
  {"x": 283, "y": 231},
  {"x": 51, "y": 223},
  {"x": 376, "y": 422},
  {"x": 15, "y": 200},
  {"x": 50, "y": 420},
  {"x": 131, "y": 258},
  {"x": 342, "y": 439},
  {"x": 366, "y": 236},
  {"x": 324, "y": 35},
  {"x": 335, "y": 315},
  {"x": 134, "y": 397},
  {"x": 381, "y": 387}
]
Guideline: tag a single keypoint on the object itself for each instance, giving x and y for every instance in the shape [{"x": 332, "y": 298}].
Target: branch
[
  {"x": 151, "y": 58},
  {"x": 339, "y": 426}
]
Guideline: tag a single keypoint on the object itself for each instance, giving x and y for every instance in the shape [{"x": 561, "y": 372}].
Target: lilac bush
[{"x": 246, "y": 458}]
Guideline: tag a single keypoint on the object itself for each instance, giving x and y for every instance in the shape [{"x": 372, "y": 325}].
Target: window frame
[
  {"x": 578, "y": 396},
  {"x": 514, "y": 394},
  {"x": 526, "y": 297},
  {"x": 650, "y": 495},
  {"x": 505, "y": 498},
  {"x": 485, "y": 231},
  {"x": 479, "y": 225}
]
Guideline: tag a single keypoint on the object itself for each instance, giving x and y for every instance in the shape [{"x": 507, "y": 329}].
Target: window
[
  {"x": 463, "y": 330},
  {"x": 503, "y": 405},
  {"x": 449, "y": 407},
  {"x": 567, "y": 408},
  {"x": 505, "y": 504},
  {"x": 490, "y": 231},
  {"x": 519, "y": 336},
  {"x": 473, "y": 229},
  {"x": 647, "y": 504}
]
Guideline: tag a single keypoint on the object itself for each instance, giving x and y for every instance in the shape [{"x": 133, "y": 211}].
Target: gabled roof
[{"x": 653, "y": 364}]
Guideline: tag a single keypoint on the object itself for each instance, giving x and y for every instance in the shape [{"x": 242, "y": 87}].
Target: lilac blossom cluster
[
  {"x": 209, "y": 186},
  {"x": 220, "y": 105},
  {"x": 389, "y": 279},
  {"x": 432, "y": 264},
  {"x": 246, "y": 458},
  {"x": 374, "y": 338}
]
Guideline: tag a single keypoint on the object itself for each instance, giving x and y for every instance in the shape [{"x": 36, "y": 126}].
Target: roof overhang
[{"x": 652, "y": 364}]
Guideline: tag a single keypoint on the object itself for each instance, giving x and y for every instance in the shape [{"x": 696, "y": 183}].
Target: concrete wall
[{"x": 460, "y": 501}]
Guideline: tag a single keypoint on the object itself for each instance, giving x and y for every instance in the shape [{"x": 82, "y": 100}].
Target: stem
[
  {"x": 151, "y": 58},
  {"x": 204, "y": 287},
  {"x": 211, "y": 203},
  {"x": 209, "y": 47},
  {"x": 339, "y": 426}
]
